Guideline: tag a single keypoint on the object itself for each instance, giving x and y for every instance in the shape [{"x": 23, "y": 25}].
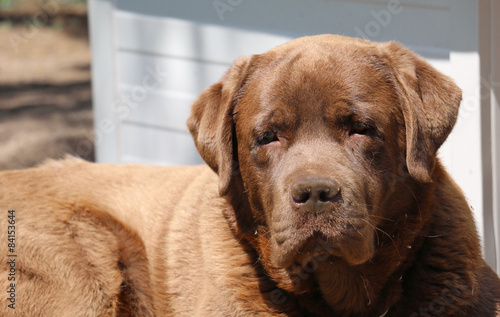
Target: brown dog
[{"x": 329, "y": 201}]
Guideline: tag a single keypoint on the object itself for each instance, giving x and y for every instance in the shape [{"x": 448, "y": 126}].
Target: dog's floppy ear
[
  {"x": 211, "y": 123},
  {"x": 430, "y": 102}
]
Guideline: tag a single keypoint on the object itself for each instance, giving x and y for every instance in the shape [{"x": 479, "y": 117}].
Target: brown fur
[{"x": 398, "y": 239}]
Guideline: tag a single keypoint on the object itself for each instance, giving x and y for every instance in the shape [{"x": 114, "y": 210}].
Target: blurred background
[
  {"x": 45, "y": 94},
  {"x": 152, "y": 58}
]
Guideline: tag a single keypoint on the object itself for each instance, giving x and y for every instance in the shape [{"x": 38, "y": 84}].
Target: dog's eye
[
  {"x": 268, "y": 137},
  {"x": 359, "y": 128}
]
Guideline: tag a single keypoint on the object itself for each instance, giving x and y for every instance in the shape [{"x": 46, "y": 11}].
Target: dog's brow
[{"x": 271, "y": 117}]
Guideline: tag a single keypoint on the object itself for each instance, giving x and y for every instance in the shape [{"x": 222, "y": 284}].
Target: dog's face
[{"x": 319, "y": 132}]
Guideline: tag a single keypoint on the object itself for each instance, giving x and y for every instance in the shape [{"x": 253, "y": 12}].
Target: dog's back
[{"x": 80, "y": 233}]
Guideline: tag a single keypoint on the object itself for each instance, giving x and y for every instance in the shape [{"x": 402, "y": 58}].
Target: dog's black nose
[{"x": 314, "y": 195}]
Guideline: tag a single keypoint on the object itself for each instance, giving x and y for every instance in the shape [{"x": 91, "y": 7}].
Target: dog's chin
[
  {"x": 321, "y": 248},
  {"x": 359, "y": 252}
]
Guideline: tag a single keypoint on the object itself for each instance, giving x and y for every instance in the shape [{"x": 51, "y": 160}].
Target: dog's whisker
[{"x": 388, "y": 235}]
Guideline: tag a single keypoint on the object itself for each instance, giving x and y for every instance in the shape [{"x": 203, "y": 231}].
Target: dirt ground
[{"x": 45, "y": 92}]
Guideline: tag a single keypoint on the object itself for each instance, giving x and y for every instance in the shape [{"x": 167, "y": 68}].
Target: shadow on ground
[
  {"x": 45, "y": 91},
  {"x": 43, "y": 121}
]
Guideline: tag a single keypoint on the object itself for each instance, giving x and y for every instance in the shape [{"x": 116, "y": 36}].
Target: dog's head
[{"x": 321, "y": 136}]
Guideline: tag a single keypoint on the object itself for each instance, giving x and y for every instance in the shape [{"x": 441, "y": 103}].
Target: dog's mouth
[
  {"x": 354, "y": 249},
  {"x": 317, "y": 246}
]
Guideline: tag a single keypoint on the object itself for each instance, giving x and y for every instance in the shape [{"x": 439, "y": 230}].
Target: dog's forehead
[
  {"x": 347, "y": 65},
  {"x": 319, "y": 76}
]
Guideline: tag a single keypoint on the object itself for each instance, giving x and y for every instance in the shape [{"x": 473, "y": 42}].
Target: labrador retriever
[{"x": 327, "y": 200}]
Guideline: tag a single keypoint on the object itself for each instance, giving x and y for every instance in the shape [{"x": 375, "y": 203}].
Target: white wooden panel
[
  {"x": 159, "y": 109},
  {"x": 486, "y": 65},
  {"x": 190, "y": 40},
  {"x": 412, "y": 21},
  {"x": 179, "y": 75},
  {"x": 466, "y": 139},
  {"x": 166, "y": 147},
  {"x": 103, "y": 80},
  {"x": 130, "y": 159},
  {"x": 495, "y": 123},
  {"x": 490, "y": 51}
]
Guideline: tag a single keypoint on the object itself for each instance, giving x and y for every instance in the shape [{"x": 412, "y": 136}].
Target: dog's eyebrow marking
[{"x": 271, "y": 118}]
